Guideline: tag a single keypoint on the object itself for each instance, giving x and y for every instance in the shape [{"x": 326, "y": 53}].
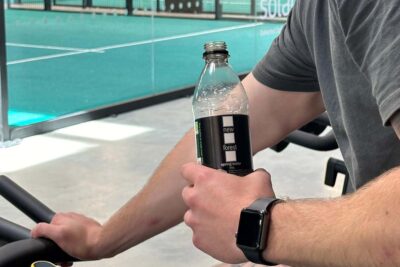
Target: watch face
[{"x": 250, "y": 229}]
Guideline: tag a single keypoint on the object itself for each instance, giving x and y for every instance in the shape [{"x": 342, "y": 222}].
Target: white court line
[
  {"x": 157, "y": 40},
  {"x": 180, "y": 36},
  {"x": 44, "y": 58},
  {"x": 49, "y": 47}
]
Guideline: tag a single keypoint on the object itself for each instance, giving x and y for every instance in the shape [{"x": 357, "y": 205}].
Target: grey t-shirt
[{"x": 350, "y": 51}]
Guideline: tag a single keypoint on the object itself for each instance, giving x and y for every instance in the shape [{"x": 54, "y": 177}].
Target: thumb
[
  {"x": 264, "y": 180},
  {"x": 262, "y": 175}
]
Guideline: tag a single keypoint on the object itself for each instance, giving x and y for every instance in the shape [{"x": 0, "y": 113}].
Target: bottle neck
[{"x": 216, "y": 58}]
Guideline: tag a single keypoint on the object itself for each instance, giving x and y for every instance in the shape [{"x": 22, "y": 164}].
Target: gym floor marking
[{"x": 78, "y": 51}]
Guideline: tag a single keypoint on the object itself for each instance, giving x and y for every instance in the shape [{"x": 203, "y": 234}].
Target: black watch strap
[
  {"x": 261, "y": 204},
  {"x": 256, "y": 257}
]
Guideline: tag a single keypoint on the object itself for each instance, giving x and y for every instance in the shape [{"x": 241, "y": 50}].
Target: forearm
[
  {"x": 157, "y": 207},
  {"x": 356, "y": 230}
]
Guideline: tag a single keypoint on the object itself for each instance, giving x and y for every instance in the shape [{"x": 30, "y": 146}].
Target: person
[{"x": 341, "y": 56}]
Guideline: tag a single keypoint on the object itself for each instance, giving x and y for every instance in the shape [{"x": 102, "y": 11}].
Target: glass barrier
[{"x": 75, "y": 56}]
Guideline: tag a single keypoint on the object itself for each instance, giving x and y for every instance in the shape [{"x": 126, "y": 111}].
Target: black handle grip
[
  {"x": 24, "y": 201},
  {"x": 333, "y": 167},
  {"x": 309, "y": 140},
  {"x": 23, "y": 253},
  {"x": 11, "y": 232}
]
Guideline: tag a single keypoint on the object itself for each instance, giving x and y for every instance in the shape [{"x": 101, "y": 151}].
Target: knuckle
[
  {"x": 57, "y": 218},
  {"x": 37, "y": 230},
  {"x": 196, "y": 241},
  {"x": 188, "y": 218},
  {"x": 263, "y": 175},
  {"x": 202, "y": 177},
  {"x": 185, "y": 169},
  {"x": 189, "y": 197}
]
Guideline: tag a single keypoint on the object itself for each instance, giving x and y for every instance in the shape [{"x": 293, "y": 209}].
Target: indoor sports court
[{"x": 95, "y": 93}]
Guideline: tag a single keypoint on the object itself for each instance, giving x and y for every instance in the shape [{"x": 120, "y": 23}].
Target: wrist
[
  {"x": 253, "y": 230},
  {"x": 96, "y": 244}
]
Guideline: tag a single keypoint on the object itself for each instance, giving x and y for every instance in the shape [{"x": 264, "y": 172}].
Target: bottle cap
[{"x": 215, "y": 47}]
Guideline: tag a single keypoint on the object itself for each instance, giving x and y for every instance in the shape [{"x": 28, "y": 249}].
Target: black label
[{"x": 223, "y": 142}]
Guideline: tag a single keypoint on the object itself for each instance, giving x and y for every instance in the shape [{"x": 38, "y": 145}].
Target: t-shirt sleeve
[
  {"x": 289, "y": 65},
  {"x": 372, "y": 32}
]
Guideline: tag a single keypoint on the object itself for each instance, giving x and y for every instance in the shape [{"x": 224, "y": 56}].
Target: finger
[
  {"x": 262, "y": 180},
  {"x": 189, "y": 219},
  {"x": 188, "y": 196},
  {"x": 262, "y": 175},
  {"x": 263, "y": 171},
  {"x": 189, "y": 172},
  {"x": 50, "y": 231}
]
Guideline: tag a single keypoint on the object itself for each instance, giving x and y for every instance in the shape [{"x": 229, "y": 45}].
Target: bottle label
[{"x": 223, "y": 142}]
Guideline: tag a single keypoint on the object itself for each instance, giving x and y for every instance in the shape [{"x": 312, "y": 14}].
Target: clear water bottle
[{"x": 220, "y": 108}]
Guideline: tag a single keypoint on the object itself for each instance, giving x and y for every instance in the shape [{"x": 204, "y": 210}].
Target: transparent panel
[
  {"x": 31, "y": 4},
  {"x": 246, "y": 27},
  {"x": 98, "y": 53},
  {"x": 66, "y": 62},
  {"x": 68, "y": 2}
]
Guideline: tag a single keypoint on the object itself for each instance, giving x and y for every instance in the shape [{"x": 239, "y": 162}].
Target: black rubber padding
[
  {"x": 24, "y": 201},
  {"x": 24, "y": 252}
]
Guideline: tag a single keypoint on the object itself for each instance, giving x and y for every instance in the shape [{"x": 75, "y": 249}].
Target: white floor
[{"x": 95, "y": 167}]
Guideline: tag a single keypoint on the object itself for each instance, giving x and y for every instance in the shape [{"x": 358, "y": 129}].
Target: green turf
[{"x": 55, "y": 87}]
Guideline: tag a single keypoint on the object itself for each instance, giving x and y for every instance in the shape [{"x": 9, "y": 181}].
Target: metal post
[
  {"x": 218, "y": 9},
  {"x": 158, "y": 8},
  {"x": 4, "y": 127},
  {"x": 129, "y": 7},
  {"x": 47, "y": 5},
  {"x": 253, "y": 8},
  {"x": 87, "y": 3}
]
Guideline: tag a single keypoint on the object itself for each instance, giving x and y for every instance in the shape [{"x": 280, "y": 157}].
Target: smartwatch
[{"x": 253, "y": 228}]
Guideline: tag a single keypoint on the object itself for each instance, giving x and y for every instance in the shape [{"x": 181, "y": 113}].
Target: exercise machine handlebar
[
  {"x": 23, "y": 253},
  {"x": 11, "y": 232},
  {"x": 316, "y": 142},
  {"x": 19, "y": 249},
  {"x": 24, "y": 201}
]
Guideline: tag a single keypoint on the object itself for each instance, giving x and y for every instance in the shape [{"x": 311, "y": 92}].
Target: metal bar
[
  {"x": 253, "y": 8},
  {"x": 79, "y": 117},
  {"x": 47, "y": 5},
  {"x": 129, "y": 7},
  {"x": 218, "y": 9},
  {"x": 87, "y": 3},
  {"x": 75, "y": 118},
  {"x": 158, "y": 6},
  {"x": 4, "y": 127}
]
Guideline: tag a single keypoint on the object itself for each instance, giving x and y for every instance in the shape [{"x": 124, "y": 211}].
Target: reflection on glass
[{"x": 93, "y": 55}]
